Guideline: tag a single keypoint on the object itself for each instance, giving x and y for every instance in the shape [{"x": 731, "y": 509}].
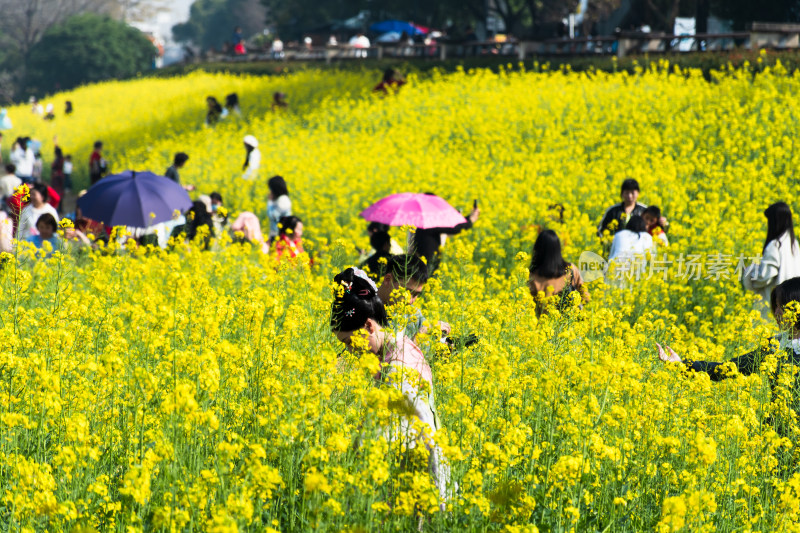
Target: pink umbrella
[{"x": 422, "y": 211}]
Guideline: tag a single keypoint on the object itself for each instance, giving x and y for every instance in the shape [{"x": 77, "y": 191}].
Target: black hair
[
  {"x": 199, "y": 217},
  {"x": 786, "y": 292},
  {"x": 546, "y": 260},
  {"x": 390, "y": 74},
  {"x": 277, "y": 186},
  {"x": 636, "y": 224},
  {"x": 11, "y": 168},
  {"x": 180, "y": 158},
  {"x": 287, "y": 225},
  {"x": 232, "y": 100},
  {"x": 406, "y": 267},
  {"x": 630, "y": 184},
  {"x": 48, "y": 219},
  {"x": 653, "y": 210},
  {"x": 779, "y": 221},
  {"x": 379, "y": 240},
  {"x": 42, "y": 188},
  {"x": 215, "y": 196},
  {"x": 98, "y": 144},
  {"x": 68, "y": 107},
  {"x": 355, "y": 301},
  {"x": 377, "y": 226}
]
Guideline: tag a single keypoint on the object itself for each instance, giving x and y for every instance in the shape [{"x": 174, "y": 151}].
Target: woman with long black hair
[
  {"x": 780, "y": 256},
  {"x": 550, "y": 275}
]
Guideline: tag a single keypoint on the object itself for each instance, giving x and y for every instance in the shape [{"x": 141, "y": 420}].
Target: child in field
[
  {"x": 357, "y": 311},
  {"x": 46, "y": 227},
  {"x": 652, "y": 218},
  {"x": 290, "y": 238},
  {"x": 633, "y": 241}
]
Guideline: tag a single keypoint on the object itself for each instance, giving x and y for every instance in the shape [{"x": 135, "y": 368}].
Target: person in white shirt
[
  {"x": 9, "y": 182},
  {"x": 253, "y": 158},
  {"x": 633, "y": 241},
  {"x": 780, "y": 256},
  {"x": 277, "y": 49},
  {"x": 23, "y": 158},
  {"x": 31, "y": 212},
  {"x": 629, "y": 245},
  {"x": 360, "y": 42}
]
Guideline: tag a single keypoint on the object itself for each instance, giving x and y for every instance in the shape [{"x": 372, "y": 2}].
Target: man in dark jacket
[{"x": 622, "y": 212}]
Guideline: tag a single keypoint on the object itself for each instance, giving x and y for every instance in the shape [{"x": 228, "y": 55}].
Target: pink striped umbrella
[{"x": 422, "y": 211}]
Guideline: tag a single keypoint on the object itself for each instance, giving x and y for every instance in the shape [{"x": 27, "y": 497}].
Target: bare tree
[
  {"x": 137, "y": 10},
  {"x": 24, "y": 22}
]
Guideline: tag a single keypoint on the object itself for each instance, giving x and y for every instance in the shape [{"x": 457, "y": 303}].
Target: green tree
[{"x": 87, "y": 48}]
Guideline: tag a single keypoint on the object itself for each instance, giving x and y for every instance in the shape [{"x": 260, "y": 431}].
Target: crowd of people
[{"x": 391, "y": 273}]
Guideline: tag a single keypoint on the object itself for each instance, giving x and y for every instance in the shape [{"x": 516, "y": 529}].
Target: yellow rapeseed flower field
[{"x": 191, "y": 390}]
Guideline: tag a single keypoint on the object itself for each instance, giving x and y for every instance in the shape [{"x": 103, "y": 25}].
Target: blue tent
[{"x": 395, "y": 25}]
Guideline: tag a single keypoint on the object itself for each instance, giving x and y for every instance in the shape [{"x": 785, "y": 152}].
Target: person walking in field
[
  {"x": 550, "y": 277},
  {"x": 252, "y": 160},
  {"x": 358, "y": 311},
  {"x": 173, "y": 171},
  {"x": 23, "y": 158},
  {"x": 98, "y": 167},
  {"x": 780, "y": 256}
]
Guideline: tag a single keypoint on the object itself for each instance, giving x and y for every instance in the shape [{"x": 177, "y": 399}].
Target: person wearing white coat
[
  {"x": 253, "y": 159},
  {"x": 632, "y": 241},
  {"x": 780, "y": 258}
]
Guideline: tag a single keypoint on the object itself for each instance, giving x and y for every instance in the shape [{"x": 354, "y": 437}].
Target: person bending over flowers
[
  {"x": 358, "y": 311},
  {"x": 785, "y": 304}
]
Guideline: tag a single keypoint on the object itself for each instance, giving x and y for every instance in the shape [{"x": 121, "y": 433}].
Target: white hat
[{"x": 251, "y": 141}]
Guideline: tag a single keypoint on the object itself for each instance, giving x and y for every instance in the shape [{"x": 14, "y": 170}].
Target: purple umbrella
[
  {"x": 129, "y": 198},
  {"x": 422, "y": 211}
]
